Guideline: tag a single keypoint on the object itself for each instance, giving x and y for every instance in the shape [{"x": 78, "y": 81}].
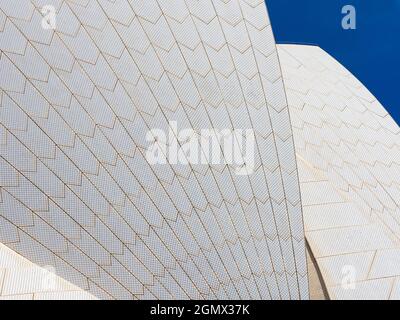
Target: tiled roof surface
[
  {"x": 77, "y": 192},
  {"x": 348, "y": 155}
]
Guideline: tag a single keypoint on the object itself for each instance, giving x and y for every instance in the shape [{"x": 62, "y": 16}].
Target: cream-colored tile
[
  {"x": 2, "y": 274},
  {"x": 378, "y": 289},
  {"x": 349, "y": 240},
  {"x": 9, "y": 259},
  {"x": 395, "y": 294},
  {"x": 319, "y": 192},
  {"x": 17, "y": 297},
  {"x": 31, "y": 280},
  {"x": 336, "y": 269},
  {"x": 332, "y": 215},
  {"x": 386, "y": 264},
  {"x": 306, "y": 172}
]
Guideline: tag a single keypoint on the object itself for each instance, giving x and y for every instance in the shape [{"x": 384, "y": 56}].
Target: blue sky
[{"x": 371, "y": 52}]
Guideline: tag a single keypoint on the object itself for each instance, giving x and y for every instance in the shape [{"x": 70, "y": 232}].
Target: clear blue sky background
[{"x": 371, "y": 52}]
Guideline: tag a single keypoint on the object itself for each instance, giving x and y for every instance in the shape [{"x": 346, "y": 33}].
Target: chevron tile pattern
[
  {"x": 348, "y": 154},
  {"x": 77, "y": 192}
]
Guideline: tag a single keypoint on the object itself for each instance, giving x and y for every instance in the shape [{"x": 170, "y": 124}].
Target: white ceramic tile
[
  {"x": 333, "y": 215},
  {"x": 395, "y": 294},
  {"x": 378, "y": 289},
  {"x": 336, "y": 269},
  {"x": 342, "y": 146},
  {"x": 320, "y": 192},
  {"x": 119, "y": 69},
  {"x": 386, "y": 264},
  {"x": 349, "y": 240},
  {"x": 18, "y": 297}
]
